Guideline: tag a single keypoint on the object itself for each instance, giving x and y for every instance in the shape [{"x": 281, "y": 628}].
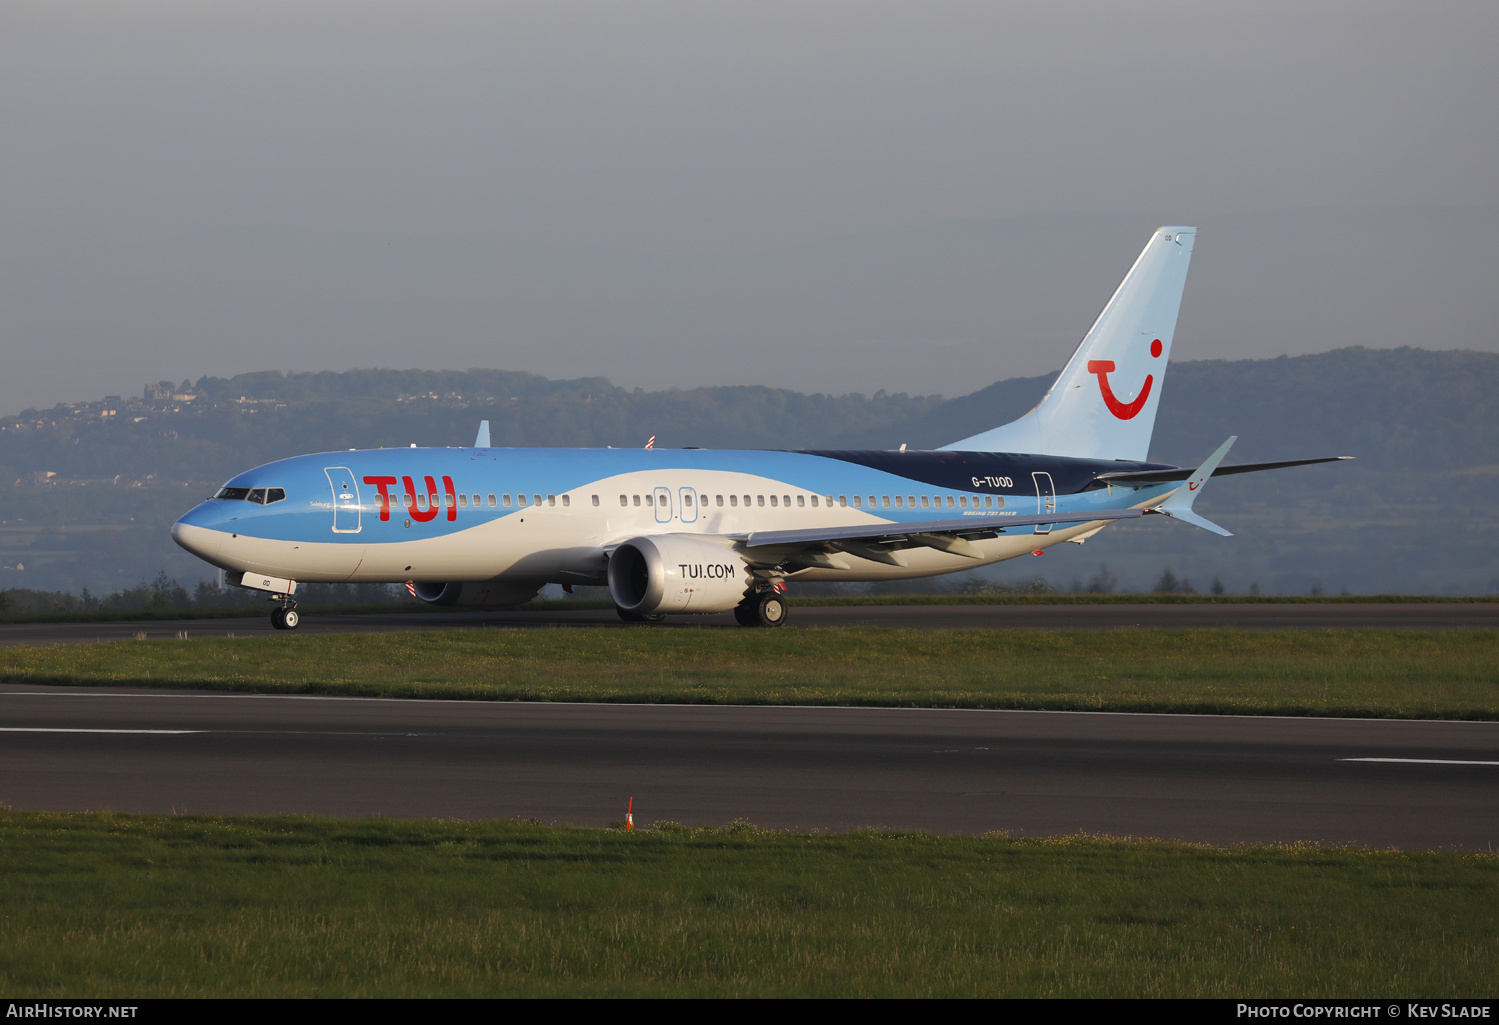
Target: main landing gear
[
  {"x": 286, "y": 617},
  {"x": 639, "y": 617},
  {"x": 763, "y": 608}
]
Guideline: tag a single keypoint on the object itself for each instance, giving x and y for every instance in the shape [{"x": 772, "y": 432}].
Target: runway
[
  {"x": 1310, "y": 616},
  {"x": 1217, "y": 780}
]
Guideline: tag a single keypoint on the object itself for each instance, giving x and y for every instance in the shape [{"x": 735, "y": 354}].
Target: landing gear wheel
[
  {"x": 290, "y": 618},
  {"x": 765, "y": 609},
  {"x": 278, "y": 619},
  {"x": 639, "y": 617},
  {"x": 770, "y": 610}
]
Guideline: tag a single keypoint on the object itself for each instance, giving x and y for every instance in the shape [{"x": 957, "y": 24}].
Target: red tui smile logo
[{"x": 1122, "y": 410}]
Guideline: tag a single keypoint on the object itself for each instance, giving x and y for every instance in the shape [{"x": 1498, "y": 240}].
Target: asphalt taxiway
[{"x": 1214, "y": 779}]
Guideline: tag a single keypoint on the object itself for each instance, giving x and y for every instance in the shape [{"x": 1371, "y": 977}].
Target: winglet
[
  {"x": 1179, "y": 505},
  {"x": 482, "y": 441}
]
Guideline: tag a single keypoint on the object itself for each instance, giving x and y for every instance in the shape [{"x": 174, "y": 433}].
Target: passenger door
[
  {"x": 663, "y": 505},
  {"x": 346, "y": 519},
  {"x": 1046, "y": 499}
]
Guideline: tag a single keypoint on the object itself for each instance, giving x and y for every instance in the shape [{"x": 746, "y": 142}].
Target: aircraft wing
[
  {"x": 948, "y": 535},
  {"x": 1166, "y": 476}
]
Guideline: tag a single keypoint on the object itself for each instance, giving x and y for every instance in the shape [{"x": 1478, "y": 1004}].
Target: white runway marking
[
  {"x": 1419, "y": 761},
  {"x": 53, "y": 729}
]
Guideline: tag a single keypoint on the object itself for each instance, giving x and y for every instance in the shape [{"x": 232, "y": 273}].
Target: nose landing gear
[{"x": 286, "y": 617}]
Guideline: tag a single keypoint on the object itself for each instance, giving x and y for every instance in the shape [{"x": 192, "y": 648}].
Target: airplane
[{"x": 699, "y": 531}]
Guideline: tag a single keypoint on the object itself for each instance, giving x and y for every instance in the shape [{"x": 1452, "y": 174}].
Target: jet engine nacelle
[
  {"x": 483, "y": 592},
  {"x": 651, "y": 575}
]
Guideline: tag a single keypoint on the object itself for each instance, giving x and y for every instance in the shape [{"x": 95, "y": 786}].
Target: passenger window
[
  {"x": 595, "y": 499},
  {"x": 567, "y": 501},
  {"x": 988, "y": 501},
  {"x": 872, "y": 502},
  {"x": 535, "y": 499},
  {"x": 801, "y": 501},
  {"x": 949, "y": 501},
  {"x": 772, "y": 501},
  {"x": 463, "y": 501},
  {"x": 551, "y": 499},
  {"x": 746, "y": 501},
  {"x": 923, "y": 501},
  {"x": 687, "y": 498},
  {"x": 520, "y": 500},
  {"x": 637, "y": 499},
  {"x": 760, "y": 501},
  {"x": 885, "y": 501},
  {"x": 624, "y": 500},
  {"x": 814, "y": 501},
  {"x": 734, "y": 501},
  {"x": 963, "y": 502},
  {"x": 858, "y": 504},
  {"x": 843, "y": 502},
  {"x": 897, "y": 502},
  {"x": 650, "y": 500},
  {"x": 911, "y": 501},
  {"x": 492, "y": 502},
  {"x": 421, "y": 501},
  {"x": 719, "y": 500},
  {"x": 506, "y": 499},
  {"x": 999, "y": 501}
]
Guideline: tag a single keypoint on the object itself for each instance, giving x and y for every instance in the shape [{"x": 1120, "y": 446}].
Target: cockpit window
[{"x": 260, "y": 496}]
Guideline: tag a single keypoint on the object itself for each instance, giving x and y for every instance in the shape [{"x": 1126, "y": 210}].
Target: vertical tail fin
[{"x": 1103, "y": 404}]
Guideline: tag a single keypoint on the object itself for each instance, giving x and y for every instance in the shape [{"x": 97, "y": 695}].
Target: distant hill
[{"x": 89, "y": 489}]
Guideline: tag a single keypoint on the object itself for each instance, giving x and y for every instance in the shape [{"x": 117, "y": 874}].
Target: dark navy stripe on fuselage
[{"x": 985, "y": 471}]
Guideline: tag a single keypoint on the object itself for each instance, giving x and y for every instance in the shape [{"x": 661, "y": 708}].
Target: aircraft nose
[{"x": 201, "y": 541}]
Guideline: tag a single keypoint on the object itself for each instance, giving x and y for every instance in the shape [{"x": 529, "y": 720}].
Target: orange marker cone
[{"x": 630, "y": 815}]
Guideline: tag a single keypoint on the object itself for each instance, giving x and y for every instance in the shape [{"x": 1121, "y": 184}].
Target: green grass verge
[
  {"x": 138, "y": 906},
  {"x": 1415, "y": 674}
]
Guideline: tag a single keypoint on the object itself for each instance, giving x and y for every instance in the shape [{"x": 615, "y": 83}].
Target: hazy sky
[{"x": 847, "y": 196}]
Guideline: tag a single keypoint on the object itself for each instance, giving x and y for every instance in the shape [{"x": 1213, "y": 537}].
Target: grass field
[
  {"x": 100, "y": 905},
  {"x": 1449, "y": 674}
]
